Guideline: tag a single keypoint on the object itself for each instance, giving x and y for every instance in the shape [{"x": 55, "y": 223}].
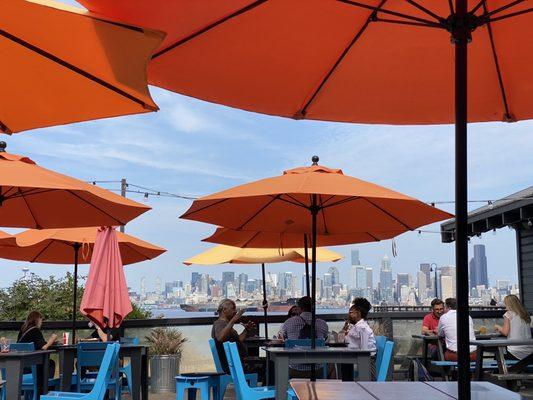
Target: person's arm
[
  {"x": 50, "y": 342},
  {"x": 248, "y": 327},
  {"x": 224, "y": 333},
  {"x": 101, "y": 334},
  {"x": 504, "y": 330}
]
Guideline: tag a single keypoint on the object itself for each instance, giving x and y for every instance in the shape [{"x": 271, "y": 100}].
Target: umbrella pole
[
  {"x": 306, "y": 252},
  {"x": 461, "y": 36},
  {"x": 265, "y": 301},
  {"x": 75, "y": 291},
  {"x": 314, "y": 213}
]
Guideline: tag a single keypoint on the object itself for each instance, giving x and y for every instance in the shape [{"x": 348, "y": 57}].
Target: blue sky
[{"x": 194, "y": 148}]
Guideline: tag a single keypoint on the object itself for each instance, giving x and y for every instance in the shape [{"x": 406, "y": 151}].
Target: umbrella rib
[
  {"x": 397, "y": 21},
  {"x": 303, "y": 111},
  {"x": 298, "y": 202},
  {"x": 323, "y": 214},
  {"x": 502, "y": 8},
  {"x": 386, "y": 11},
  {"x": 424, "y": 9},
  {"x": 507, "y": 116},
  {"x": 514, "y": 14},
  {"x": 34, "y": 259},
  {"x": 75, "y": 69},
  {"x": 208, "y": 28},
  {"x": 252, "y": 238},
  {"x": 95, "y": 207},
  {"x": 187, "y": 214},
  {"x": 342, "y": 201},
  {"x": 327, "y": 200},
  {"x": 260, "y": 211},
  {"x": 30, "y": 192},
  {"x": 481, "y": 3},
  {"x": 373, "y": 237},
  {"x": 4, "y": 128},
  {"x": 388, "y": 213},
  {"x": 136, "y": 251},
  {"x": 450, "y": 4},
  {"x": 29, "y": 209}
]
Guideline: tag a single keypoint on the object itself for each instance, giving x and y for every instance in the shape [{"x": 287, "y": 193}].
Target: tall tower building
[
  {"x": 402, "y": 280},
  {"x": 355, "y": 257},
  {"x": 369, "y": 278},
  {"x": 227, "y": 277},
  {"x": 447, "y": 277},
  {"x": 478, "y": 267},
  {"x": 335, "y": 277},
  {"x": 360, "y": 277},
  {"x": 385, "y": 279},
  {"x": 426, "y": 269}
]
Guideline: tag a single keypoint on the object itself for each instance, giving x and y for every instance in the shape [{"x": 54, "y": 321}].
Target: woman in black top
[{"x": 30, "y": 332}]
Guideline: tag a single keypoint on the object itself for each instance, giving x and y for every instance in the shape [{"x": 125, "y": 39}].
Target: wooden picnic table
[
  {"x": 283, "y": 357},
  {"x": 333, "y": 389},
  {"x": 14, "y": 363},
  {"x": 497, "y": 347}
]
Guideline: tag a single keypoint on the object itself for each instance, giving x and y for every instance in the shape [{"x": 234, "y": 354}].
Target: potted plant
[{"x": 166, "y": 346}]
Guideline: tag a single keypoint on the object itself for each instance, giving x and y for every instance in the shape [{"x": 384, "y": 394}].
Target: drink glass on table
[
  {"x": 4, "y": 345},
  {"x": 65, "y": 338}
]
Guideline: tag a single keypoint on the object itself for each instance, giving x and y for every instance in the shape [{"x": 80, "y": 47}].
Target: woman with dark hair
[
  {"x": 30, "y": 332},
  {"x": 358, "y": 334},
  {"x": 294, "y": 311}
]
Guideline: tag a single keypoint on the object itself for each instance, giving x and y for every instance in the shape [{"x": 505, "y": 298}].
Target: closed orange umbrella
[
  {"x": 34, "y": 197},
  {"x": 72, "y": 246},
  {"x": 313, "y": 201},
  {"x": 62, "y": 64}
]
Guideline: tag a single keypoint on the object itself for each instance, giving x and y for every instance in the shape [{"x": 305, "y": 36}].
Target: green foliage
[
  {"x": 166, "y": 341},
  {"x": 51, "y": 296}
]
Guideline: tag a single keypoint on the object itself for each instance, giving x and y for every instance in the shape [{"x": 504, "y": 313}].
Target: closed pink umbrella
[{"x": 106, "y": 301}]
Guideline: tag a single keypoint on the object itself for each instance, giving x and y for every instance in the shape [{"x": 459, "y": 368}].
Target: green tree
[{"x": 51, "y": 296}]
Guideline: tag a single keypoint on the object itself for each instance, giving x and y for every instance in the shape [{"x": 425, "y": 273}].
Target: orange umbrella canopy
[
  {"x": 55, "y": 246},
  {"x": 7, "y": 240},
  {"x": 337, "y": 60},
  {"x": 62, "y": 65},
  {"x": 264, "y": 240},
  {"x": 345, "y": 205},
  {"x": 34, "y": 197}
]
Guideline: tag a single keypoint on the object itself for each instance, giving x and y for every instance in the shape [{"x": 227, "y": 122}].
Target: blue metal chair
[
  {"x": 242, "y": 390},
  {"x": 380, "y": 346},
  {"x": 91, "y": 354},
  {"x": 108, "y": 367},
  {"x": 384, "y": 365},
  {"x": 126, "y": 370},
  {"x": 225, "y": 379}
]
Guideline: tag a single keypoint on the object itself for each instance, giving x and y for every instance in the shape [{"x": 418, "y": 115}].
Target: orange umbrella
[
  {"x": 7, "y": 240},
  {"x": 373, "y": 61},
  {"x": 313, "y": 201},
  {"x": 262, "y": 240},
  {"x": 62, "y": 246},
  {"x": 34, "y": 197},
  {"x": 63, "y": 64}
]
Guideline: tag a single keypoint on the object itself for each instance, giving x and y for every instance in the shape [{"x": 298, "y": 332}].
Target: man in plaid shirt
[{"x": 292, "y": 328}]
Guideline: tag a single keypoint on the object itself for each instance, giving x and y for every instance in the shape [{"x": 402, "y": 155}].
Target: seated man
[
  {"x": 430, "y": 325},
  {"x": 299, "y": 327},
  {"x": 448, "y": 330},
  {"x": 223, "y": 331}
]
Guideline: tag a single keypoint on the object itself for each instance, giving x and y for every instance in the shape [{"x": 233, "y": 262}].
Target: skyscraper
[
  {"x": 385, "y": 279},
  {"x": 421, "y": 283},
  {"x": 355, "y": 257},
  {"x": 369, "y": 278},
  {"x": 426, "y": 269},
  {"x": 402, "y": 280},
  {"x": 360, "y": 277},
  {"x": 227, "y": 277},
  {"x": 447, "y": 277},
  {"x": 478, "y": 267},
  {"x": 335, "y": 277}
]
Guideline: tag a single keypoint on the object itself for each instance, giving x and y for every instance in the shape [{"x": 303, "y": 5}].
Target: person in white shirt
[
  {"x": 516, "y": 326},
  {"x": 358, "y": 334},
  {"x": 448, "y": 330}
]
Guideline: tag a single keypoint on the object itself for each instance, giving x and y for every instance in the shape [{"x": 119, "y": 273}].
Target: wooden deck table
[
  {"x": 497, "y": 347},
  {"x": 334, "y": 389}
]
